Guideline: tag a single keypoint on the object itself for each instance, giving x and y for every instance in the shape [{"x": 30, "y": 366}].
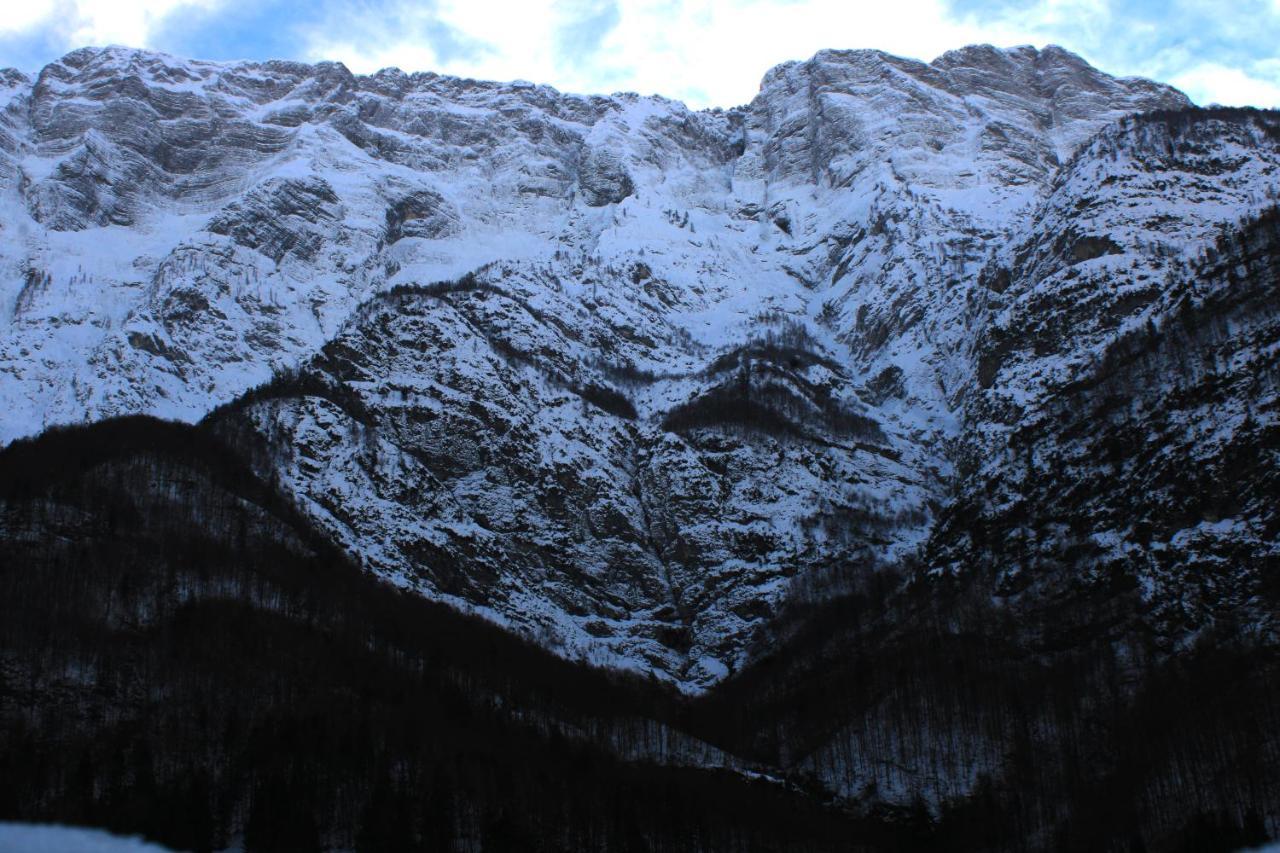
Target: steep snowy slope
[
  {"x": 182, "y": 228},
  {"x": 480, "y": 441},
  {"x": 179, "y": 230},
  {"x": 621, "y": 375},
  {"x": 917, "y": 421}
]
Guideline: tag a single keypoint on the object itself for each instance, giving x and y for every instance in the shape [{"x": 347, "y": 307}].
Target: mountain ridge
[
  {"x": 908, "y": 431},
  {"x": 771, "y": 263},
  {"x": 252, "y": 645},
  {"x": 13, "y": 74}
]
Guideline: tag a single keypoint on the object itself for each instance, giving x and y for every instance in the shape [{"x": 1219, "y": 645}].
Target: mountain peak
[
  {"x": 921, "y": 411},
  {"x": 621, "y": 294}
]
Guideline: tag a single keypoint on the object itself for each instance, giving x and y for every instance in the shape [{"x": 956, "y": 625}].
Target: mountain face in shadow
[{"x": 886, "y": 464}]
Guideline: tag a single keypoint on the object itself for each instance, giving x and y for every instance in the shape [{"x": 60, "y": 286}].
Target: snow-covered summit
[{"x": 619, "y": 373}]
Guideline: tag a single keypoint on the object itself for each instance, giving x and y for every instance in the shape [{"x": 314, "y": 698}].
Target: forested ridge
[{"x": 183, "y": 658}]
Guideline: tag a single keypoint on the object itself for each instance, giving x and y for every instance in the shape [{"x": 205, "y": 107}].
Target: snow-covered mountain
[
  {"x": 910, "y": 431},
  {"x": 629, "y": 377}
]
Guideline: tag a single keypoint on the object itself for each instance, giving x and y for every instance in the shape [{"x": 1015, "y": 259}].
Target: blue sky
[{"x": 707, "y": 52}]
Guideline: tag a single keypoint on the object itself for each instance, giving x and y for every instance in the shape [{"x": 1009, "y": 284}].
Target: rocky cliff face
[
  {"x": 620, "y": 375},
  {"x": 912, "y": 415}
]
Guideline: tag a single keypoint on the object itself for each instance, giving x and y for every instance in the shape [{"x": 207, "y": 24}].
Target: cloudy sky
[{"x": 706, "y": 52}]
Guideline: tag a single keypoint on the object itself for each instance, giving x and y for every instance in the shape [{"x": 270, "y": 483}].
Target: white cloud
[
  {"x": 24, "y": 17},
  {"x": 1210, "y": 83},
  {"x": 706, "y": 51},
  {"x": 76, "y": 23},
  {"x": 503, "y": 41}
]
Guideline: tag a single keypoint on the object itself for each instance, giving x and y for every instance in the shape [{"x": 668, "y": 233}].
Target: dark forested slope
[{"x": 183, "y": 658}]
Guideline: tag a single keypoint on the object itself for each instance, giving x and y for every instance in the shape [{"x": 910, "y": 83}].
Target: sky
[{"x": 705, "y": 52}]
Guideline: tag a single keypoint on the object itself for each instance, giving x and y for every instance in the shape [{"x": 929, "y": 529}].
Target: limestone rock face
[{"x": 630, "y": 378}]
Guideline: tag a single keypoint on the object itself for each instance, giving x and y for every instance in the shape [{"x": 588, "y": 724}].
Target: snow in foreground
[{"x": 43, "y": 838}]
